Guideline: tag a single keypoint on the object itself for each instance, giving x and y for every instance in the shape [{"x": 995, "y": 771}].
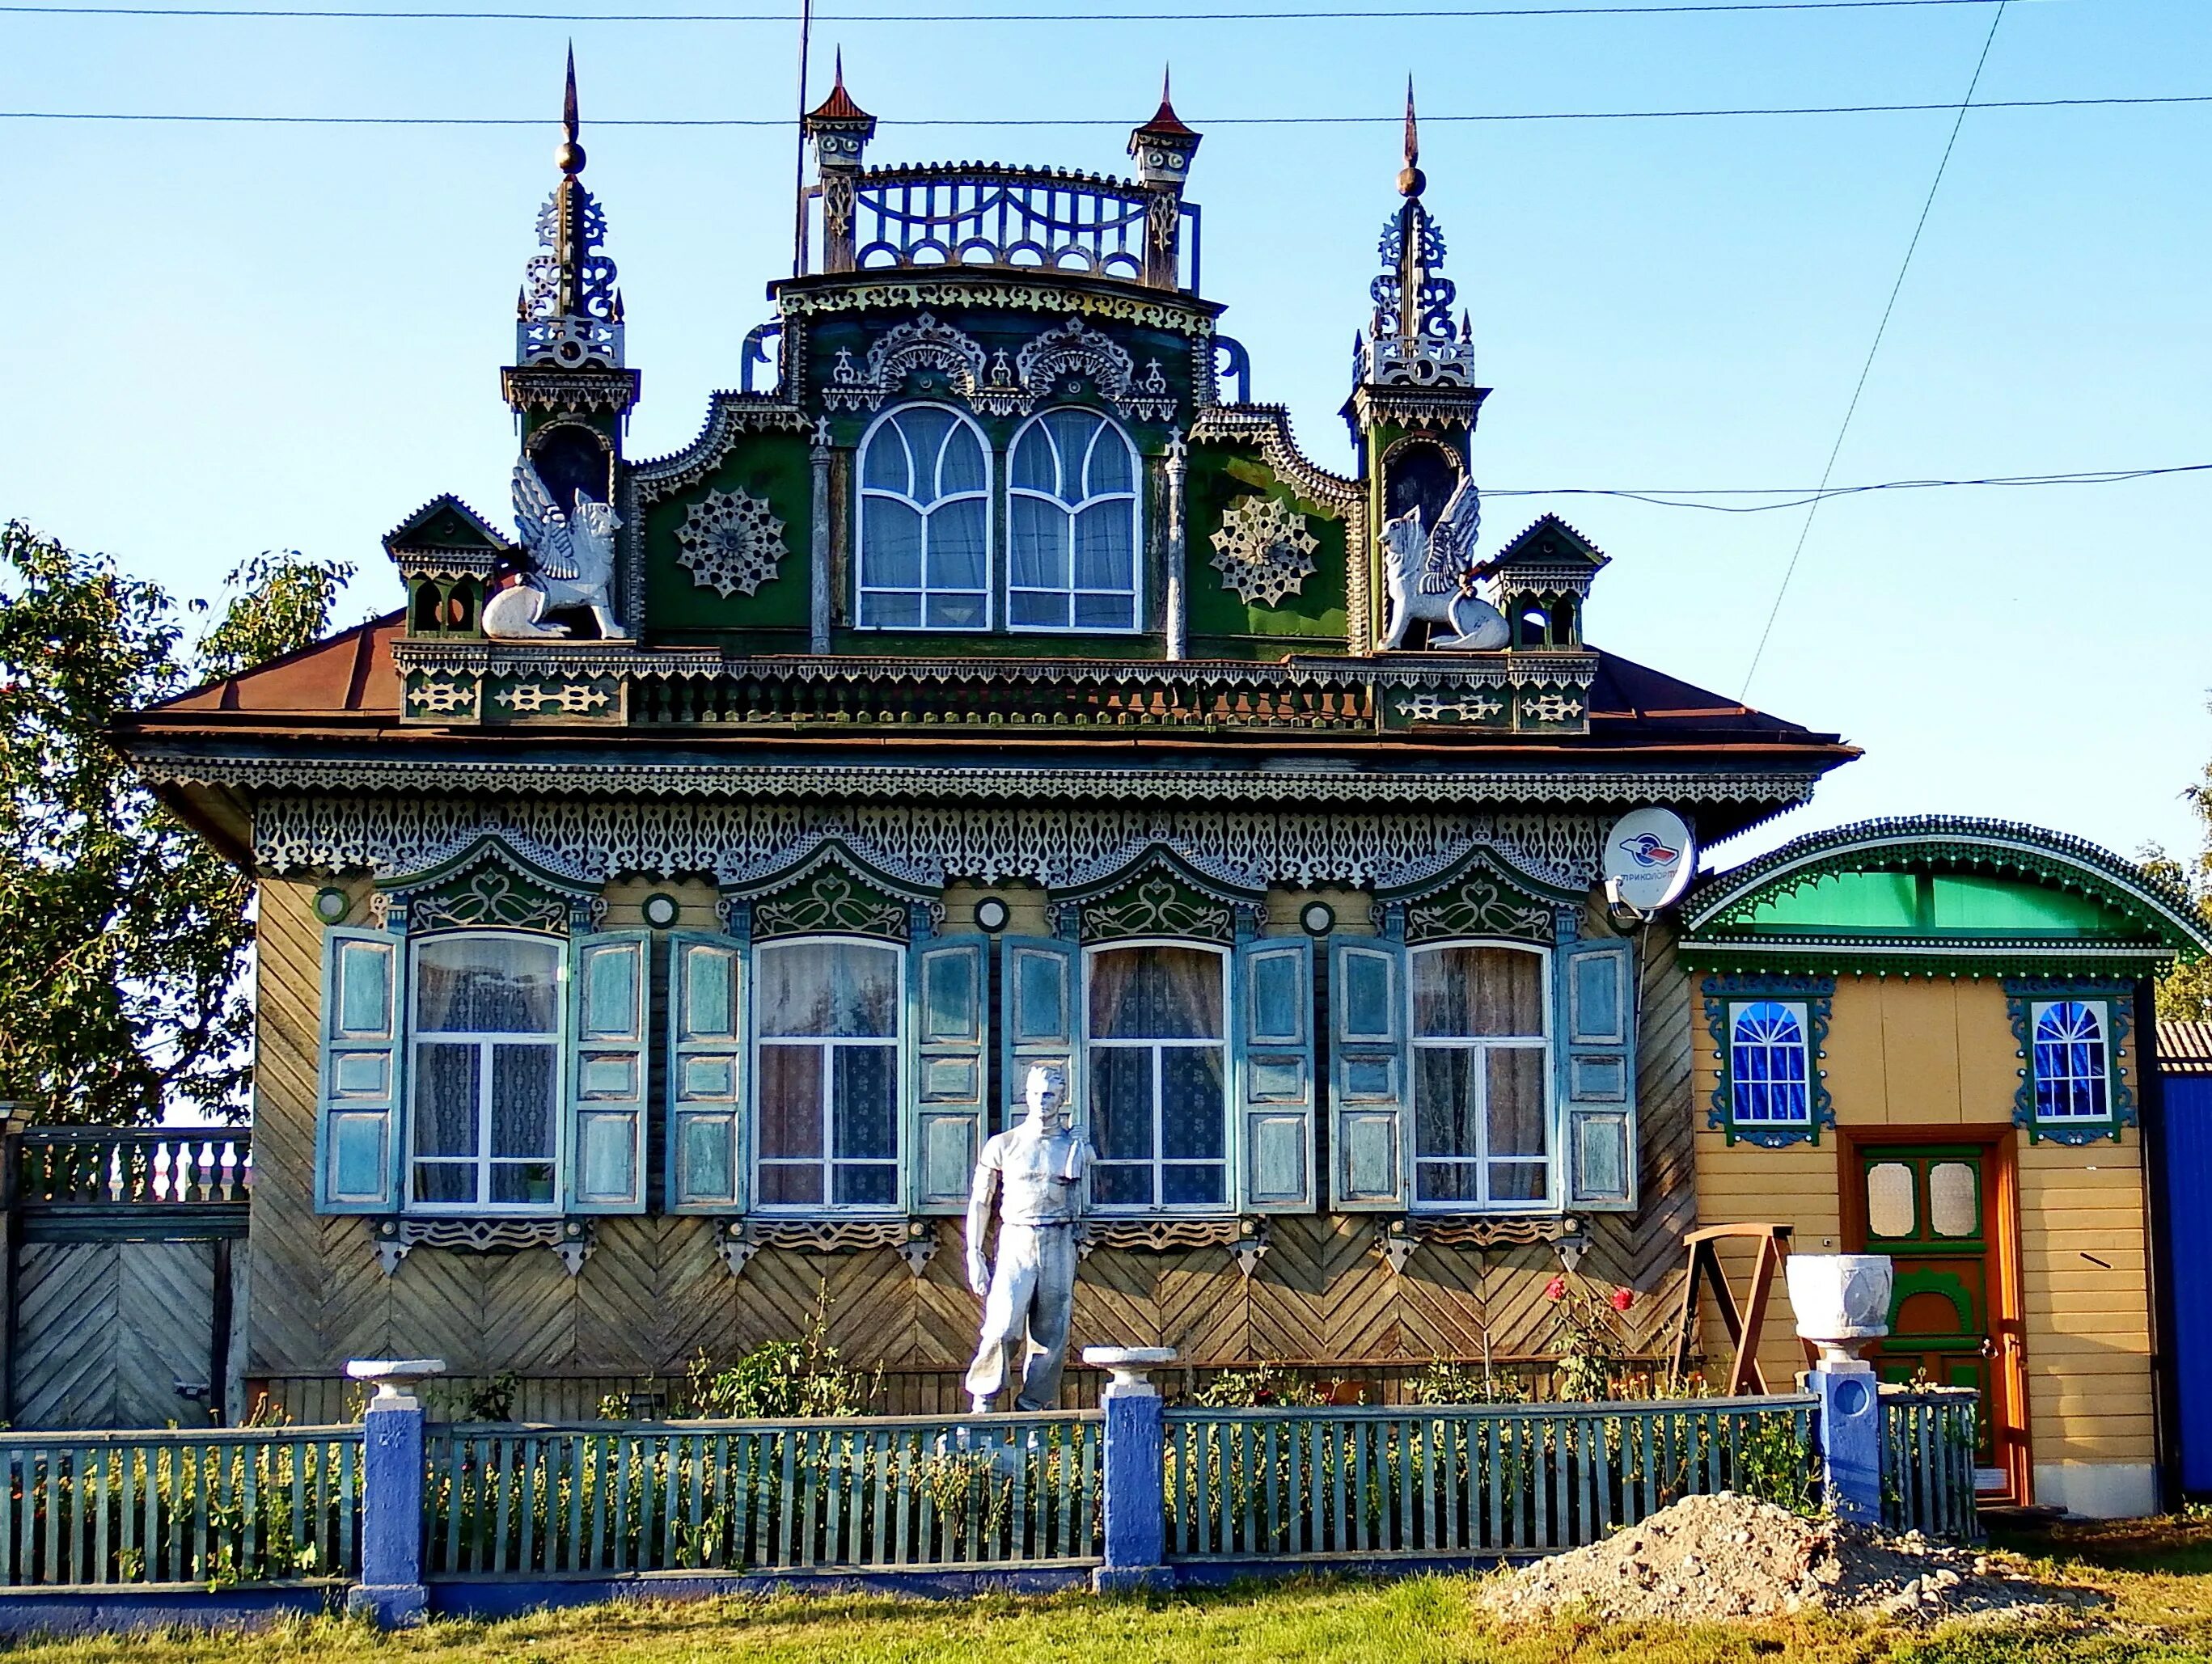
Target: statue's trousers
[{"x": 1032, "y": 1291}]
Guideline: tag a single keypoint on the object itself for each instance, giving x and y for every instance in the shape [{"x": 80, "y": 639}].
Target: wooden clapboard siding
[
  {"x": 1933, "y": 1053},
  {"x": 654, "y": 1293}
]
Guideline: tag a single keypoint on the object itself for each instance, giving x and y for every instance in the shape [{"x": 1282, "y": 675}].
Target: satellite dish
[{"x": 1650, "y": 856}]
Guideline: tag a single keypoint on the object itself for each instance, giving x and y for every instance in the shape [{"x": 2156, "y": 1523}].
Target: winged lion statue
[
  {"x": 570, "y": 563},
  {"x": 1424, "y": 576}
]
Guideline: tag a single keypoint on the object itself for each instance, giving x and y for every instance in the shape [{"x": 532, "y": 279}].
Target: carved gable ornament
[
  {"x": 1042, "y": 372},
  {"x": 487, "y": 886},
  {"x": 1159, "y": 895},
  {"x": 830, "y": 893},
  {"x": 730, "y": 543},
  {"x": 1482, "y": 896},
  {"x": 1264, "y": 550}
]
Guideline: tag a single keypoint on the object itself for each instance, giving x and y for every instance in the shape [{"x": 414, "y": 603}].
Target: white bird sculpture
[
  {"x": 1424, "y": 576},
  {"x": 571, "y": 564}
]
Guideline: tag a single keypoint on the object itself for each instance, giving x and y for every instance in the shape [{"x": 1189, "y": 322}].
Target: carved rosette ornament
[
  {"x": 1264, "y": 550},
  {"x": 730, "y": 543}
]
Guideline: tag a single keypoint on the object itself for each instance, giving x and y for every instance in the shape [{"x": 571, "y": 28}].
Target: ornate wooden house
[{"x": 658, "y": 913}]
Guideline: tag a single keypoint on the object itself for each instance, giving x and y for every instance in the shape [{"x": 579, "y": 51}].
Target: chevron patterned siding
[{"x": 654, "y": 1293}]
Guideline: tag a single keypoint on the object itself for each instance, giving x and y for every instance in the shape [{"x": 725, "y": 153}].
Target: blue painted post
[
  {"x": 391, "y": 1589},
  {"x": 1851, "y": 1441},
  {"x": 1134, "y": 1469}
]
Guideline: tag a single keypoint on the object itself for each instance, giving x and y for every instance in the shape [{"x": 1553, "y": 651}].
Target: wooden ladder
[{"x": 1742, "y": 1324}]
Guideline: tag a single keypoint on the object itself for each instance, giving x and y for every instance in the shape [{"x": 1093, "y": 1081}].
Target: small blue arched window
[
  {"x": 1769, "y": 1065},
  {"x": 2072, "y": 1063}
]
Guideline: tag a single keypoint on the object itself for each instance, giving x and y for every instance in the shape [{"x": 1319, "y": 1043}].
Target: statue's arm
[{"x": 982, "y": 1192}]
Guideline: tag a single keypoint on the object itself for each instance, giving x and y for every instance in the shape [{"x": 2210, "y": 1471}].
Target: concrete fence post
[
  {"x": 1134, "y": 1468},
  {"x": 391, "y": 1590},
  {"x": 1851, "y": 1441}
]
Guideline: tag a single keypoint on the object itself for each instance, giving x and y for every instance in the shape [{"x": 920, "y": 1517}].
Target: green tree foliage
[{"x": 123, "y": 935}]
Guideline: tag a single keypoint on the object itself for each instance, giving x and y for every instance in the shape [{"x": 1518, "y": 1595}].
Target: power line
[
  {"x": 368, "y": 15},
  {"x": 1798, "y": 496},
  {"x": 1881, "y": 329},
  {"x": 1116, "y": 121}
]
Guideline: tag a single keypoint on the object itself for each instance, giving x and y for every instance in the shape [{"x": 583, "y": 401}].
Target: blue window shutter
[
  {"x": 948, "y": 1027},
  {"x": 1040, "y": 1018},
  {"x": 707, "y": 1000},
  {"x": 357, "y": 1154},
  {"x": 607, "y": 1000},
  {"x": 1272, "y": 1048},
  {"x": 1369, "y": 1068},
  {"x": 1597, "y": 1072}
]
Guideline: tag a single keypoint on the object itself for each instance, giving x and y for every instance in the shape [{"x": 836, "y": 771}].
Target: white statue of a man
[{"x": 1035, "y": 1172}]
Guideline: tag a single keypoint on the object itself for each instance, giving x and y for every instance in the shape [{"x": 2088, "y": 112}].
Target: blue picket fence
[{"x": 533, "y": 1505}]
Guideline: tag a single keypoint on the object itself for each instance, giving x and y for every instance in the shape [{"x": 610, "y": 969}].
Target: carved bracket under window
[
  {"x": 1245, "y": 1238},
  {"x": 1395, "y": 1238},
  {"x": 738, "y": 1240},
  {"x": 571, "y": 1240}
]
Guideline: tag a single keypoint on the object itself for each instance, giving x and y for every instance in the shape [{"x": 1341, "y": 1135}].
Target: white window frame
[
  {"x": 1135, "y": 496},
  {"x": 988, "y": 497},
  {"x": 2099, "y": 1012},
  {"x": 827, "y": 1163},
  {"x": 1227, "y": 1205},
  {"x": 1482, "y": 1161},
  {"x": 484, "y": 1040},
  {"x": 1799, "y": 1009}
]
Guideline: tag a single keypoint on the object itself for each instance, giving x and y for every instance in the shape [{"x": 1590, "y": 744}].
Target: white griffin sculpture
[
  {"x": 1423, "y": 575},
  {"x": 571, "y": 564}
]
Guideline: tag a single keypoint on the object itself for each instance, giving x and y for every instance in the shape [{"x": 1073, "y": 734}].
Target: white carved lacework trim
[
  {"x": 576, "y": 777},
  {"x": 922, "y": 844}
]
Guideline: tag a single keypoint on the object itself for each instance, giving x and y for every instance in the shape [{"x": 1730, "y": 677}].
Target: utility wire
[
  {"x": 1104, "y": 121},
  {"x": 1881, "y": 329},
  {"x": 1798, "y": 496},
  {"x": 1676, "y": 10}
]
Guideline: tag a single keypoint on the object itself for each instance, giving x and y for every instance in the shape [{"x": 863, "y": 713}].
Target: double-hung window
[
  {"x": 485, "y": 1072},
  {"x": 1072, "y": 524},
  {"x": 1482, "y": 1098},
  {"x": 925, "y": 550},
  {"x": 1156, "y": 1055},
  {"x": 827, "y": 1026}
]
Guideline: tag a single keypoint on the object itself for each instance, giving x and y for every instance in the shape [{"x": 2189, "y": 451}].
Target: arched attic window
[
  {"x": 1073, "y": 525},
  {"x": 924, "y": 546}
]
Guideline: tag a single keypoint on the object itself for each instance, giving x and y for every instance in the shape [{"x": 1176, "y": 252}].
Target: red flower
[
  {"x": 1623, "y": 1299},
  {"x": 1556, "y": 1289}
]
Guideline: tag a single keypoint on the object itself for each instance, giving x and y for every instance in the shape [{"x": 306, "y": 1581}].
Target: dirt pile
[{"x": 1725, "y": 1556}]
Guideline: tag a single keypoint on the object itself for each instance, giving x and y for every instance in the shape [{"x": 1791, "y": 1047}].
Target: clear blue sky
[{"x": 225, "y": 339}]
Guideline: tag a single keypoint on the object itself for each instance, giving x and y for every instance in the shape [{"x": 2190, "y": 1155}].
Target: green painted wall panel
[{"x": 771, "y": 466}]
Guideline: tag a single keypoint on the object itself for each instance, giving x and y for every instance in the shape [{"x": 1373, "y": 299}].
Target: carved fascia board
[
  {"x": 486, "y": 883},
  {"x": 730, "y": 418},
  {"x": 582, "y": 778},
  {"x": 952, "y": 293}
]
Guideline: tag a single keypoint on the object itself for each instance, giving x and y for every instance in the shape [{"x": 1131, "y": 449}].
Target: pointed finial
[
  {"x": 1167, "y": 79},
  {"x": 569, "y": 158},
  {"x": 1410, "y": 180}
]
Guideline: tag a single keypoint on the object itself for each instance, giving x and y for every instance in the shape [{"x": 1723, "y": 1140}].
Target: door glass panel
[
  {"x": 1889, "y": 1200},
  {"x": 1953, "y": 1210}
]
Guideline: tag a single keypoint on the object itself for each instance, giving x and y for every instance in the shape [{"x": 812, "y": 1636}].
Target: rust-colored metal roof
[
  {"x": 2185, "y": 1048},
  {"x": 351, "y": 673}
]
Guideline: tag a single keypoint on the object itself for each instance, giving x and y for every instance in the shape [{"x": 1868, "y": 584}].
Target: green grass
[{"x": 2159, "y": 1578}]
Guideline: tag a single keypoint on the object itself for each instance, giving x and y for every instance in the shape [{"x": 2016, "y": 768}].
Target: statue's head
[{"x": 1045, "y": 1090}]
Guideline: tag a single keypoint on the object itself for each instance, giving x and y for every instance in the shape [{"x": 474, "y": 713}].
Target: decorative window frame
[
  {"x": 2022, "y": 995},
  {"x": 831, "y": 892},
  {"x": 1158, "y": 897},
  {"x": 486, "y": 886},
  {"x": 1134, "y": 497},
  {"x": 991, "y": 495},
  {"x": 1546, "y": 1046},
  {"x": 1723, "y": 994}
]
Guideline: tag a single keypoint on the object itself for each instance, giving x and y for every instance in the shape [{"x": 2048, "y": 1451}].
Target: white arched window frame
[
  {"x": 828, "y": 1074},
  {"x": 486, "y": 1033},
  {"x": 1074, "y": 529},
  {"x": 2072, "y": 1062},
  {"x": 1770, "y": 1064},
  {"x": 1485, "y": 1111},
  {"x": 925, "y": 543}
]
